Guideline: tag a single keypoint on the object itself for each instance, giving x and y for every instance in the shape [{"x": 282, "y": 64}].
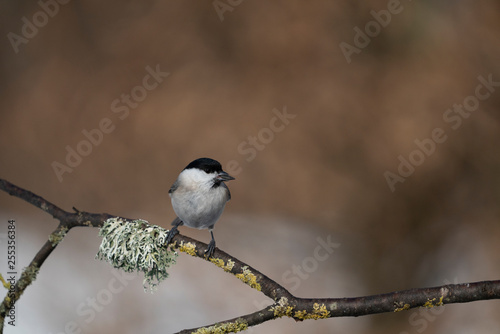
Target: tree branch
[
  {"x": 285, "y": 304},
  {"x": 306, "y": 308}
]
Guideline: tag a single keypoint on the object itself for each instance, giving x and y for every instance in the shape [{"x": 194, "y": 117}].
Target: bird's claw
[
  {"x": 210, "y": 249},
  {"x": 171, "y": 234}
]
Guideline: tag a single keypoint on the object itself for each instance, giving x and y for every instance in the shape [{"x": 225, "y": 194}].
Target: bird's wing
[
  {"x": 228, "y": 192},
  {"x": 174, "y": 187}
]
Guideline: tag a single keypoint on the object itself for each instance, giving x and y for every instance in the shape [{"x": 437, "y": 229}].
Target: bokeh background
[{"x": 231, "y": 70}]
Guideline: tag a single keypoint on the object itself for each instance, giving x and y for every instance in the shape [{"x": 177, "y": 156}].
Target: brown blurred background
[{"x": 321, "y": 174}]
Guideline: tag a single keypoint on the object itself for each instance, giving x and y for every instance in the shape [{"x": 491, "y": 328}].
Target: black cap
[{"x": 206, "y": 164}]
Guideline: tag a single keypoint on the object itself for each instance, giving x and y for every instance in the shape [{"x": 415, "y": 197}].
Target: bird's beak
[{"x": 223, "y": 176}]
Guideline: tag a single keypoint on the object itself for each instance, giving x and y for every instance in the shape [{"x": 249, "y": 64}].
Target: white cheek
[{"x": 195, "y": 179}]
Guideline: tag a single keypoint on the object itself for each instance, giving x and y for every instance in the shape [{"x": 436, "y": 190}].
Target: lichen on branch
[{"x": 137, "y": 246}]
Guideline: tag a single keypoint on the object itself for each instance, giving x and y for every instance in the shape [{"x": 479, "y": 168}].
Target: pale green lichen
[
  {"x": 220, "y": 263},
  {"x": 249, "y": 278},
  {"x": 58, "y": 236},
  {"x": 318, "y": 312},
  {"x": 28, "y": 275},
  {"x": 137, "y": 246},
  {"x": 282, "y": 308},
  {"x": 228, "y": 327}
]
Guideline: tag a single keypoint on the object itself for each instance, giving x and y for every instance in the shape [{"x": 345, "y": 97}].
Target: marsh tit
[{"x": 199, "y": 196}]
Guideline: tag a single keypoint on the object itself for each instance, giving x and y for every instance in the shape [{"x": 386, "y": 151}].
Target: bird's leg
[
  {"x": 173, "y": 231},
  {"x": 211, "y": 246}
]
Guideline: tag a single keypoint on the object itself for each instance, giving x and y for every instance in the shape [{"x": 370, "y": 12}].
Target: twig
[
  {"x": 305, "y": 308},
  {"x": 67, "y": 221}
]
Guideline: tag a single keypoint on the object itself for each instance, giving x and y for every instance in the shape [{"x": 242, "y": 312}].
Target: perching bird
[{"x": 199, "y": 196}]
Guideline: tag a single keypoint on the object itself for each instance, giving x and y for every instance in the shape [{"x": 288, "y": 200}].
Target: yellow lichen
[
  {"x": 56, "y": 237},
  {"x": 429, "y": 303},
  {"x": 220, "y": 263},
  {"x": 188, "y": 248},
  {"x": 229, "y": 327},
  {"x": 249, "y": 278},
  {"x": 402, "y": 308},
  {"x": 5, "y": 284},
  {"x": 318, "y": 312},
  {"x": 300, "y": 314},
  {"x": 282, "y": 308}
]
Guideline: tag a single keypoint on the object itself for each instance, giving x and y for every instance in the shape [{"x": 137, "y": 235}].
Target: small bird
[{"x": 199, "y": 196}]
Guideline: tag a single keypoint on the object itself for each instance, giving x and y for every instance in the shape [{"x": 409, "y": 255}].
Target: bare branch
[{"x": 68, "y": 219}]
